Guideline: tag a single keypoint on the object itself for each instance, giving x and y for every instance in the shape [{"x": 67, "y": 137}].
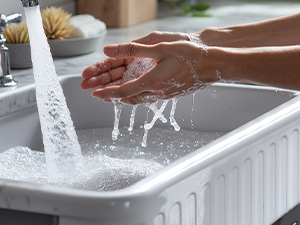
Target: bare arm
[
  {"x": 273, "y": 66},
  {"x": 266, "y": 52},
  {"x": 280, "y": 31}
]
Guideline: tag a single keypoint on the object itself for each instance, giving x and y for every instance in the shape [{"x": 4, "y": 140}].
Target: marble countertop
[{"x": 224, "y": 14}]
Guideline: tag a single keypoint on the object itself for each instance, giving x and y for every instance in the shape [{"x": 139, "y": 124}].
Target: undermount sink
[{"x": 244, "y": 113}]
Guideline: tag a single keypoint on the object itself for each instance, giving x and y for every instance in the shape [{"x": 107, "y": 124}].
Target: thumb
[{"x": 131, "y": 50}]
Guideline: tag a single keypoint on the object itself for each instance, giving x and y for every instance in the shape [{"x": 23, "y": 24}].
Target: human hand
[
  {"x": 110, "y": 71},
  {"x": 181, "y": 68}
]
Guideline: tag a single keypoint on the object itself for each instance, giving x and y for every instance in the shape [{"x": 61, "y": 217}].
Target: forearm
[
  {"x": 276, "y": 66},
  {"x": 281, "y": 31}
]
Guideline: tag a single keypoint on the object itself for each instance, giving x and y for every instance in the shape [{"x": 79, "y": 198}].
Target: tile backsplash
[{"x": 13, "y": 6}]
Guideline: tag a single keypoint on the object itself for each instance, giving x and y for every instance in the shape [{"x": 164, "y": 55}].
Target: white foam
[
  {"x": 138, "y": 67},
  {"x": 108, "y": 165}
]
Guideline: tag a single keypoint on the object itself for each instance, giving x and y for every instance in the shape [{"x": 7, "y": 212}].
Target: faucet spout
[{"x": 30, "y": 3}]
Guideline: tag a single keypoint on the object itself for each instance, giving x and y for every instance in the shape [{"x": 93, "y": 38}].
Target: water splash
[
  {"x": 192, "y": 113},
  {"x": 145, "y": 138},
  {"x": 132, "y": 118},
  {"x": 172, "y": 115},
  {"x": 158, "y": 114},
  {"x": 118, "y": 106},
  {"x": 138, "y": 67}
]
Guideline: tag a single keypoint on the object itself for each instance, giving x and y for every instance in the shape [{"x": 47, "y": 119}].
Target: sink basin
[
  {"x": 193, "y": 188},
  {"x": 219, "y": 108}
]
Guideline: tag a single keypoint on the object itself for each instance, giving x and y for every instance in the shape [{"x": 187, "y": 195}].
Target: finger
[
  {"x": 146, "y": 97},
  {"x": 157, "y": 37},
  {"x": 125, "y": 90},
  {"x": 115, "y": 83},
  {"x": 102, "y": 66},
  {"x": 132, "y": 50},
  {"x": 150, "y": 81},
  {"x": 104, "y": 78}
]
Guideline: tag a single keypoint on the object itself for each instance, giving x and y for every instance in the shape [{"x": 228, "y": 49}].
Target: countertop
[{"x": 224, "y": 14}]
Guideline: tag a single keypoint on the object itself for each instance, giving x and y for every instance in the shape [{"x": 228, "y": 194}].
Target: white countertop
[{"x": 224, "y": 14}]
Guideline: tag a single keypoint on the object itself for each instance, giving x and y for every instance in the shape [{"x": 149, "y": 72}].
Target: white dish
[
  {"x": 76, "y": 46},
  {"x": 20, "y": 56}
]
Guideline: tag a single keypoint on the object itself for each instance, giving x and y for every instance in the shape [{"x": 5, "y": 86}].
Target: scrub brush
[
  {"x": 16, "y": 33},
  {"x": 56, "y": 23}
]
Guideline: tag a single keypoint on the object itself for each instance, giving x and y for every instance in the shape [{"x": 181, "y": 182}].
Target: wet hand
[
  {"x": 180, "y": 68},
  {"x": 110, "y": 71}
]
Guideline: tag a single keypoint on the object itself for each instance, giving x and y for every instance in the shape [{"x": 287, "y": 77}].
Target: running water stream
[{"x": 62, "y": 149}]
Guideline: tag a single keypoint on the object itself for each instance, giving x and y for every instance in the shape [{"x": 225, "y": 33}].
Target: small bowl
[
  {"x": 76, "y": 46},
  {"x": 19, "y": 55}
]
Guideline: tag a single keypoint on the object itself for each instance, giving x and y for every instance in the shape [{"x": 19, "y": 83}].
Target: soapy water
[
  {"x": 108, "y": 165},
  {"x": 62, "y": 149},
  {"x": 138, "y": 67}
]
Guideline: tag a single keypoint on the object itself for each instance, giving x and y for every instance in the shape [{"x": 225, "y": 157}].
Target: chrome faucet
[
  {"x": 30, "y": 3},
  {"x": 6, "y": 79}
]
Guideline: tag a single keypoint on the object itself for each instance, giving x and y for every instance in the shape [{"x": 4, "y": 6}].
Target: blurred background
[
  {"x": 12, "y": 6},
  {"x": 128, "y": 19}
]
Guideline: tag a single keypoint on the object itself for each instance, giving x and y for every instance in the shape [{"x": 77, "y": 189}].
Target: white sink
[{"x": 172, "y": 194}]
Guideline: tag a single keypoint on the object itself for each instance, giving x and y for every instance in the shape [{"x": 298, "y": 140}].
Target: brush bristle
[
  {"x": 56, "y": 23},
  {"x": 16, "y": 33}
]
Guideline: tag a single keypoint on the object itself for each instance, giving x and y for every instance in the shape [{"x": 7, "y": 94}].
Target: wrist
[
  {"x": 232, "y": 37},
  {"x": 223, "y": 64},
  {"x": 214, "y": 36}
]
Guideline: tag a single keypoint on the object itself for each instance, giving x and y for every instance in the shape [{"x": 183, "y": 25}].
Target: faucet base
[{"x": 7, "y": 81}]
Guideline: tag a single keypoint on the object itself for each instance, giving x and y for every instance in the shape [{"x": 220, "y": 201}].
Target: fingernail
[
  {"x": 111, "y": 50},
  {"x": 95, "y": 95}
]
